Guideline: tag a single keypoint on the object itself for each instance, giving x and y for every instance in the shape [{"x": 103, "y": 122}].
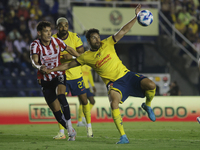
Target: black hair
[
  {"x": 90, "y": 31},
  {"x": 43, "y": 24}
]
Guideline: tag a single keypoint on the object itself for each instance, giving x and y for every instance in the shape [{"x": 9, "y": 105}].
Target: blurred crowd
[
  {"x": 185, "y": 15},
  {"x": 18, "y": 20}
]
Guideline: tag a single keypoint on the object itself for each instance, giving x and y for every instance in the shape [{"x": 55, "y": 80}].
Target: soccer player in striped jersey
[
  {"x": 74, "y": 77},
  {"x": 121, "y": 82},
  {"x": 45, "y": 52}
]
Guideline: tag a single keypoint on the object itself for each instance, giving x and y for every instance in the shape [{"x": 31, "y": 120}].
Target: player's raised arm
[
  {"x": 71, "y": 51},
  {"x": 62, "y": 67},
  {"x": 127, "y": 26}
]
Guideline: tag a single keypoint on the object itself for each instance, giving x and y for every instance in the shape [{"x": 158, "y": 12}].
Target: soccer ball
[
  {"x": 198, "y": 119},
  {"x": 145, "y": 17}
]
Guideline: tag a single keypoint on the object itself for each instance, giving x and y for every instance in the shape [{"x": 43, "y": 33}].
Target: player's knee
[
  {"x": 147, "y": 84},
  {"x": 84, "y": 101},
  {"x": 151, "y": 85},
  {"x": 92, "y": 101}
]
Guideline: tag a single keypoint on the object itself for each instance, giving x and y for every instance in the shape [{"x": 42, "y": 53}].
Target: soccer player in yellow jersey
[
  {"x": 121, "y": 83},
  {"x": 74, "y": 78},
  {"x": 87, "y": 78}
]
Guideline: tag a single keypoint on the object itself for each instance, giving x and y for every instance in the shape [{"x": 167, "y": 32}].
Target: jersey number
[{"x": 80, "y": 84}]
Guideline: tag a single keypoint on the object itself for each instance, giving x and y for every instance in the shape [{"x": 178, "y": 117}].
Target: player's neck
[
  {"x": 93, "y": 49},
  {"x": 45, "y": 43},
  {"x": 63, "y": 37}
]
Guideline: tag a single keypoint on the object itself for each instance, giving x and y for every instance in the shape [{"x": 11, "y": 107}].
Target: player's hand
[
  {"x": 43, "y": 69},
  {"x": 94, "y": 89},
  {"x": 48, "y": 71},
  {"x": 39, "y": 81},
  {"x": 67, "y": 56},
  {"x": 137, "y": 9}
]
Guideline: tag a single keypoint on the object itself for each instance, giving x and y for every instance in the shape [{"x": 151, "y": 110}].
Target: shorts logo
[{"x": 61, "y": 78}]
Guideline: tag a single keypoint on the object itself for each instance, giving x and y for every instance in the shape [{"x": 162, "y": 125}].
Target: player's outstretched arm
[
  {"x": 70, "y": 57},
  {"x": 127, "y": 26},
  {"x": 71, "y": 51},
  {"x": 62, "y": 67}
]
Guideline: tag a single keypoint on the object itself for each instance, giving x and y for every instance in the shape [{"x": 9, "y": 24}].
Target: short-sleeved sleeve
[
  {"x": 34, "y": 48},
  {"x": 80, "y": 59},
  {"x": 61, "y": 44},
  {"x": 111, "y": 40},
  {"x": 78, "y": 42}
]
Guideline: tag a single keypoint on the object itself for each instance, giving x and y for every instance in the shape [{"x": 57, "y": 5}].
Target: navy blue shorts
[
  {"x": 89, "y": 93},
  {"x": 128, "y": 85},
  {"x": 76, "y": 86},
  {"x": 49, "y": 88}
]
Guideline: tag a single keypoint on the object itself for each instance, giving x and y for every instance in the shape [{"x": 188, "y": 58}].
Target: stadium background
[{"x": 159, "y": 51}]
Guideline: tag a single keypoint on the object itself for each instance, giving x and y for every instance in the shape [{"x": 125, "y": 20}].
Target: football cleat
[
  {"x": 59, "y": 136},
  {"x": 89, "y": 132},
  {"x": 123, "y": 140},
  {"x": 149, "y": 111},
  {"x": 71, "y": 134},
  {"x": 80, "y": 124}
]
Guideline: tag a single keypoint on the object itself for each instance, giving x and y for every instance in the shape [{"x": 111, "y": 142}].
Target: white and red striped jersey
[{"x": 49, "y": 56}]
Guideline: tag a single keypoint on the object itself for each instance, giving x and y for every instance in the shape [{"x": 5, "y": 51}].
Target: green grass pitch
[{"x": 142, "y": 136}]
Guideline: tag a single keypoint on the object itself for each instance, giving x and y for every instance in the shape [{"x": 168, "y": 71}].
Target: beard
[
  {"x": 96, "y": 46},
  {"x": 63, "y": 32}
]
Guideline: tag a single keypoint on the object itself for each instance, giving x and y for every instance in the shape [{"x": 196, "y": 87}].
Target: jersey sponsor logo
[
  {"x": 101, "y": 62},
  {"x": 50, "y": 58}
]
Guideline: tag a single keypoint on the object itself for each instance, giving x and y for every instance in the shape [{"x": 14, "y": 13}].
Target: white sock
[
  {"x": 69, "y": 123},
  {"x": 89, "y": 125},
  {"x": 62, "y": 131}
]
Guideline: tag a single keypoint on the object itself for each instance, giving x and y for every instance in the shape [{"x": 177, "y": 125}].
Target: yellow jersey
[
  {"x": 74, "y": 41},
  {"x": 87, "y": 76},
  {"x": 104, "y": 61}
]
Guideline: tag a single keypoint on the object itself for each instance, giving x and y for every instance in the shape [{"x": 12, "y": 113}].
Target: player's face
[
  {"x": 63, "y": 28},
  {"x": 45, "y": 34},
  {"x": 95, "y": 41}
]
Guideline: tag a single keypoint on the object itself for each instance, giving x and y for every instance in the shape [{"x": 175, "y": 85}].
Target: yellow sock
[
  {"x": 91, "y": 105},
  {"x": 118, "y": 120},
  {"x": 86, "y": 111},
  {"x": 60, "y": 126},
  {"x": 80, "y": 112},
  {"x": 149, "y": 96},
  {"x": 83, "y": 114}
]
